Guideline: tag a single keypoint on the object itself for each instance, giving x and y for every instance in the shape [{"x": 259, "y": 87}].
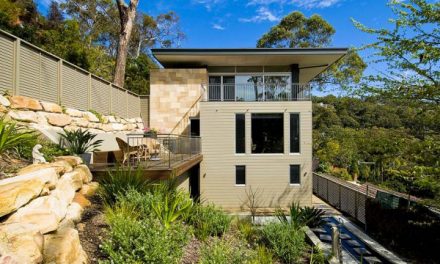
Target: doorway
[
  {"x": 195, "y": 127},
  {"x": 194, "y": 182}
]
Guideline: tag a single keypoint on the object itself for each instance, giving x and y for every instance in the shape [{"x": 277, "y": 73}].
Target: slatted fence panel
[
  {"x": 100, "y": 96},
  {"x": 6, "y": 63},
  {"x": 74, "y": 93}
]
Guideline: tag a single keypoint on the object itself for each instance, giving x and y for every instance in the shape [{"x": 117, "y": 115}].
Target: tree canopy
[{"x": 297, "y": 31}]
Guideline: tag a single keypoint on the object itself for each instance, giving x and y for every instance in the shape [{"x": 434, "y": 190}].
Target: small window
[
  {"x": 295, "y": 174},
  {"x": 240, "y": 175},
  {"x": 240, "y": 134},
  {"x": 294, "y": 133}
]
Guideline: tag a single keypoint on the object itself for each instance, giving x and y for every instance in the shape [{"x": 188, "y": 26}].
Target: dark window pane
[
  {"x": 294, "y": 133},
  {"x": 240, "y": 134},
  {"x": 214, "y": 89},
  {"x": 295, "y": 174},
  {"x": 229, "y": 88},
  {"x": 267, "y": 133},
  {"x": 240, "y": 174}
]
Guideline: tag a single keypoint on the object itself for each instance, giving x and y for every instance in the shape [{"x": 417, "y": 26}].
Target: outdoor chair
[{"x": 129, "y": 151}]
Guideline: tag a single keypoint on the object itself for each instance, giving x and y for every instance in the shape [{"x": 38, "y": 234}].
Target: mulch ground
[
  {"x": 92, "y": 230},
  {"x": 9, "y": 166}
]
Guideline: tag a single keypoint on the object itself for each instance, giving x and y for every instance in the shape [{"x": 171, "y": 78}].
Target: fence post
[
  {"x": 89, "y": 93},
  {"x": 16, "y": 78},
  {"x": 60, "y": 81}
]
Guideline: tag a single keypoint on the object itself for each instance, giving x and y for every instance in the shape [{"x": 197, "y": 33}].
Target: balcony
[{"x": 256, "y": 92}]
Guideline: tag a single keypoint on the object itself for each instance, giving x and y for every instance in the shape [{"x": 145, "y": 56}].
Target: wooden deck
[{"x": 154, "y": 169}]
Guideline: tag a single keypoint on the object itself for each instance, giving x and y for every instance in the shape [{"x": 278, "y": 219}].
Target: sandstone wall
[
  {"x": 42, "y": 115},
  {"x": 39, "y": 209}
]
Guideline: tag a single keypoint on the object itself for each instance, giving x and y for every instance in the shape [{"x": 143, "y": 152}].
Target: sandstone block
[
  {"x": 21, "y": 243},
  {"x": 89, "y": 189},
  {"x": 24, "y": 116},
  {"x": 79, "y": 121},
  {"x": 3, "y": 109},
  {"x": 64, "y": 246},
  {"x": 72, "y": 160},
  {"x": 81, "y": 200},
  {"x": 85, "y": 173},
  {"x": 23, "y": 102},
  {"x": 74, "y": 212},
  {"x": 60, "y": 166},
  {"x": 75, "y": 179},
  {"x": 18, "y": 191},
  {"x": 111, "y": 119},
  {"x": 4, "y": 101},
  {"x": 60, "y": 120},
  {"x": 90, "y": 117},
  {"x": 51, "y": 107}
]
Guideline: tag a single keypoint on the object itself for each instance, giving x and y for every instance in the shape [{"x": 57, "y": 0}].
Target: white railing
[{"x": 257, "y": 92}]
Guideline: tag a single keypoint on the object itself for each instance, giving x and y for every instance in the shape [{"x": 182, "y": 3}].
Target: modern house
[{"x": 252, "y": 109}]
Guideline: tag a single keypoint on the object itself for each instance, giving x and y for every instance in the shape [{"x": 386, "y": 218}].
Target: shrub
[
  {"x": 247, "y": 230},
  {"x": 220, "y": 251},
  {"x": 301, "y": 216},
  {"x": 263, "y": 256},
  {"x": 51, "y": 150},
  {"x": 121, "y": 180},
  {"x": 15, "y": 138},
  {"x": 208, "y": 221},
  {"x": 135, "y": 240},
  {"x": 138, "y": 202},
  {"x": 172, "y": 206},
  {"x": 79, "y": 141},
  {"x": 285, "y": 241}
]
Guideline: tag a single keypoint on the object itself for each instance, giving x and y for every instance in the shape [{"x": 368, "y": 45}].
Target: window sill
[
  {"x": 240, "y": 185},
  {"x": 295, "y": 184},
  {"x": 267, "y": 154},
  {"x": 295, "y": 154}
]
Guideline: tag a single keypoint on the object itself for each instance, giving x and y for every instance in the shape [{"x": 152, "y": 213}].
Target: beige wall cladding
[
  {"x": 173, "y": 93},
  {"x": 268, "y": 173},
  {"x": 6, "y": 64}
]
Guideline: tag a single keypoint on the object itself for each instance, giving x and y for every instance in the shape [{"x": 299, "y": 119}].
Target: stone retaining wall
[
  {"x": 42, "y": 115},
  {"x": 39, "y": 209}
]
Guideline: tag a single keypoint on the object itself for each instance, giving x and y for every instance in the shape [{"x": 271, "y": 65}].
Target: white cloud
[
  {"x": 263, "y": 14},
  {"x": 266, "y": 2},
  {"x": 218, "y": 27},
  {"x": 309, "y": 4},
  {"x": 207, "y": 3}
]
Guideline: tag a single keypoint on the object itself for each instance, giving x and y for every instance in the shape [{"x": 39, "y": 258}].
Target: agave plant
[
  {"x": 12, "y": 136},
  {"x": 175, "y": 205},
  {"x": 301, "y": 216},
  {"x": 79, "y": 141}
]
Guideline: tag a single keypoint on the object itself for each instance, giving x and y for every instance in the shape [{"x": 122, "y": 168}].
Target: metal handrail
[{"x": 224, "y": 92}]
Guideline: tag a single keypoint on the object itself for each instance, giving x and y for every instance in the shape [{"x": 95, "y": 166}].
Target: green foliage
[
  {"x": 174, "y": 205},
  {"x": 208, "y": 220},
  {"x": 247, "y": 229},
  {"x": 317, "y": 256},
  {"x": 301, "y": 216},
  {"x": 135, "y": 240},
  {"x": 79, "y": 141},
  {"x": 220, "y": 251},
  {"x": 411, "y": 50},
  {"x": 263, "y": 256},
  {"x": 98, "y": 115},
  {"x": 120, "y": 181},
  {"x": 17, "y": 139},
  {"x": 285, "y": 241},
  {"x": 51, "y": 150}
]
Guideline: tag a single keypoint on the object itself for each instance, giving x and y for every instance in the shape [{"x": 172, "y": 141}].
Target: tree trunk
[{"x": 126, "y": 17}]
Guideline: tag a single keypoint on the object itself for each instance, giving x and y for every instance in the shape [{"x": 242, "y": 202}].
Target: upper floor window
[
  {"x": 240, "y": 133},
  {"x": 294, "y": 133},
  {"x": 267, "y": 133}
]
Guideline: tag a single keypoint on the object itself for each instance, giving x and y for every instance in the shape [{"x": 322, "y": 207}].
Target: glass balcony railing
[{"x": 257, "y": 92}]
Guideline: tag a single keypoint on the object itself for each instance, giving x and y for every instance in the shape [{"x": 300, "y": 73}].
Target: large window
[
  {"x": 267, "y": 133},
  {"x": 295, "y": 177},
  {"x": 294, "y": 133},
  {"x": 240, "y": 175},
  {"x": 240, "y": 134}
]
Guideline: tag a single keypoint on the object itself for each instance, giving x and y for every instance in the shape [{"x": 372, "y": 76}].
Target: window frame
[
  {"x": 299, "y": 175},
  {"x": 299, "y": 133},
  {"x": 236, "y": 175},
  {"x": 244, "y": 137},
  {"x": 284, "y": 136}
]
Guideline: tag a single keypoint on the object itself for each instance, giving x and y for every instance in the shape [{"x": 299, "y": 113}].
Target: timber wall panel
[
  {"x": 29, "y": 83},
  {"x": 74, "y": 92},
  {"x": 100, "y": 96},
  {"x": 6, "y": 63},
  {"x": 119, "y": 102},
  {"x": 133, "y": 105},
  {"x": 48, "y": 80}
]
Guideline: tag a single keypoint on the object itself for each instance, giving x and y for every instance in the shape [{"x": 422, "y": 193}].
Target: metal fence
[
  {"x": 342, "y": 195},
  {"x": 30, "y": 71}
]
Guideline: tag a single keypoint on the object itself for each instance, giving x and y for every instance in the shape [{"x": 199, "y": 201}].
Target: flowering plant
[{"x": 150, "y": 132}]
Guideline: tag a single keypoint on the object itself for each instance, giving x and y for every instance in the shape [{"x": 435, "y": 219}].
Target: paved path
[{"x": 320, "y": 204}]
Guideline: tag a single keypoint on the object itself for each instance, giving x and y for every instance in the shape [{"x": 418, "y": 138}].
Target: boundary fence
[{"x": 28, "y": 70}]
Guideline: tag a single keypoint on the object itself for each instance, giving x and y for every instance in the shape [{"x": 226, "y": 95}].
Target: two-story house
[{"x": 252, "y": 109}]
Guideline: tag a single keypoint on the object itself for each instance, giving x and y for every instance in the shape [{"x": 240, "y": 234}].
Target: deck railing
[
  {"x": 163, "y": 150},
  {"x": 257, "y": 92}
]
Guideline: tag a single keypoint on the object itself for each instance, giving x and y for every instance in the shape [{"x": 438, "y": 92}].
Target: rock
[
  {"x": 74, "y": 112},
  {"x": 24, "y": 116},
  {"x": 74, "y": 212},
  {"x": 65, "y": 190},
  {"x": 130, "y": 126},
  {"x": 21, "y": 243},
  {"x": 66, "y": 223},
  {"x": 18, "y": 191},
  {"x": 104, "y": 119},
  {"x": 75, "y": 179},
  {"x": 113, "y": 127},
  {"x": 90, "y": 117},
  {"x": 81, "y": 227},
  {"x": 81, "y": 122},
  {"x": 51, "y": 107},
  {"x": 122, "y": 121},
  {"x": 85, "y": 173},
  {"x": 111, "y": 119},
  {"x": 3, "y": 109},
  {"x": 60, "y": 166},
  {"x": 81, "y": 200},
  {"x": 60, "y": 120},
  {"x": 71, "y": 128},
  {"x": 64, "y": 246},
  {"x": 140, "y": 125},
  {"x": 72, "y": 160},
  {"x": 23, "y": 102},
  {"x": 139, "y": 120},
  {"x": 4, "y": 101},
  {"x": 42, "y": 118},
  {"x": 94, "y": 125},
  {"x": 89, "y": 189},
  {"x": 131, "y": 120}
]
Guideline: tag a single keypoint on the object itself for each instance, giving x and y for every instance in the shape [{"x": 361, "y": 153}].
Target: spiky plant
[{"x": 79, "y": 141}]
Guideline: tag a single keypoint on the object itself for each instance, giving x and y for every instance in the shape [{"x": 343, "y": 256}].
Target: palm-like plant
[
  {"x": 175, "y": 205},
  {"x": 79, "y": 141},
  {"x": 12, "y": 136},
  {"x": 301, "y": 216}
]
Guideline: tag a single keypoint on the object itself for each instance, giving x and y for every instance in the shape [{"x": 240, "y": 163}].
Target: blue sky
[{"x": 240, "y": 23}]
